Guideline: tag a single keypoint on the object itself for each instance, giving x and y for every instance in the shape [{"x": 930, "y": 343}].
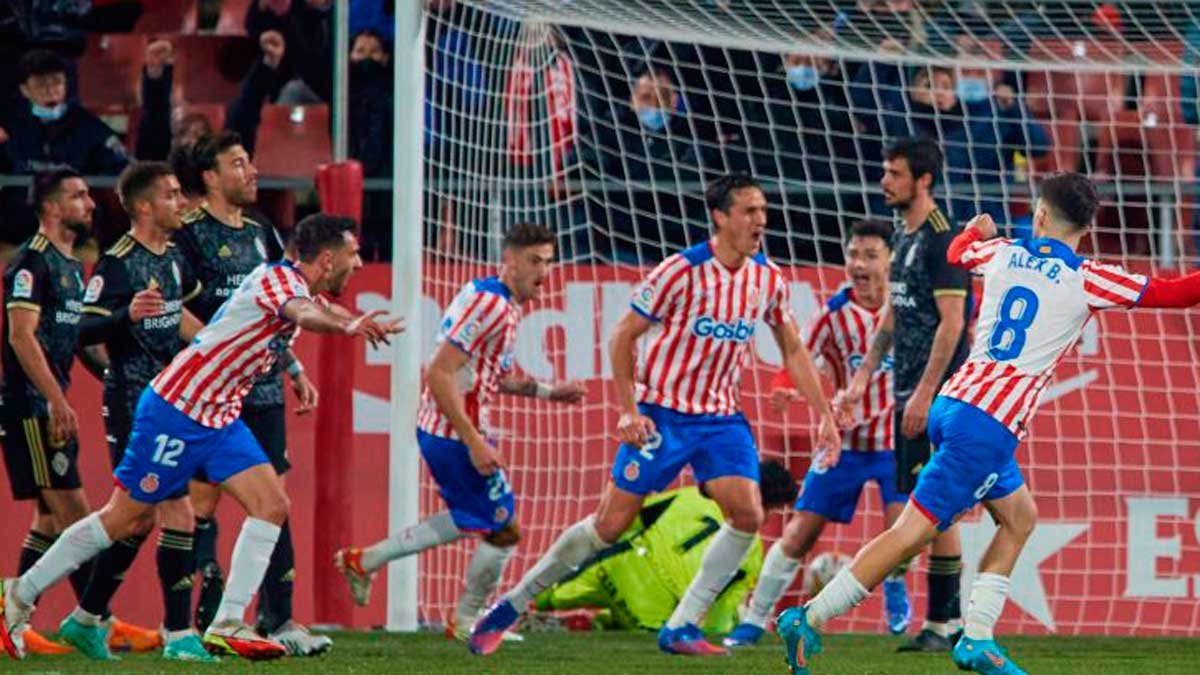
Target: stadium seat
[
  {"x": 287, "y": 147},
  {"x": 165, "y": 16},
  {"x": 215, "y": 112},
  {"x": 209, "y": 68},
  {"x": 110, "y": 70}
]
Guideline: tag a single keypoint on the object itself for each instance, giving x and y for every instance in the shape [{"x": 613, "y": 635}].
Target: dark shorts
[
  {"x": 269, "y": 426},
  {"x": 33, "y": 463},
  {"x": 118, "y": 423},
  {"x": 912, "y": 454}
]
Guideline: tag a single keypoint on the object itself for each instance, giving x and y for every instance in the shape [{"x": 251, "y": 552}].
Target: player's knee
[
  {"x": 747, "y": 517},
  {"x": 609, "y": 525},
  {"x": 798, "y": 538},
  {"x": 274, "y": 508},
  {"x": 509, "y": 536}
]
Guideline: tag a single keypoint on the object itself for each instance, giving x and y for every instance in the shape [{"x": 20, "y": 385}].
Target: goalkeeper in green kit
[{"x": 640, "y": 579}]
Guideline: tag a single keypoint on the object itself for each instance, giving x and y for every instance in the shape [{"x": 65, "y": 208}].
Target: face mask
[
  {"x": 654, "y": 119},
  {"x": 803, "y": 78},
  {"x": 49, "y": 114},
  {"x": 971, "y": 89}
]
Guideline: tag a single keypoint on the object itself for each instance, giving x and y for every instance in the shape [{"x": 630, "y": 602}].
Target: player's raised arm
[
  {"x": 976, "y": 244},
  {"x": 632, "y": 427}
]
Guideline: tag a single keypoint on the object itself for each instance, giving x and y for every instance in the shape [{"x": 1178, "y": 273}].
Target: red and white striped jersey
[
  {"x": 1037, "y": 297},
  {"x": 705, "y": 316},
  {"x": 840, "y": 336},
  {"x": 208, "y": 380},
  {"x": 482, "y": 322}
]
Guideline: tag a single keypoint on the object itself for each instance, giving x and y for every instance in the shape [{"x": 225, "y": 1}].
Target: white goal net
[{"x": 603, "y": 119}]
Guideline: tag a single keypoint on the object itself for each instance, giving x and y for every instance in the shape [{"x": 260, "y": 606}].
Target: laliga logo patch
[
  {"x": 469, "y": 331},
  {"x": 500, "y": 515},
  {"x": 632, "y": 471},
  {"x": 646, "y": 296},
  {"x": 94, "y": 287},
  {"x": 506, "y": 361},
  {"x": 23, "y": 284},
  {"x": 149, "y": 484}
]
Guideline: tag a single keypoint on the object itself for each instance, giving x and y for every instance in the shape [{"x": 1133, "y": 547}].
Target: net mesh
[{"x": 603, "y": 119}]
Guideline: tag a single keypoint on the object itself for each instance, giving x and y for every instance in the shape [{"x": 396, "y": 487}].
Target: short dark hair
[
  {"x": 183, "y": 163},
  {"x": 47, "y": 185},
  {"x": 776, "y": 484},
  {"x": 40, "y": 62},
  {"x": 137, "y": 179},
  {"x": 524, "y": 235},
  {"x": 719, "y": 195},
  {"x": 372, "y": 33},
  {"x": 873, "y": 228},
  {"x": 317, "y": 233},
  {"x": 922, "y": 153},
  {"x": 1072, "y": 197},
  {"x": 208, "y": 146}
]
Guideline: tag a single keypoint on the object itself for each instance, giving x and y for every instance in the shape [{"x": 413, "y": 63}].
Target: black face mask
[{"x": 367, "y": 68}]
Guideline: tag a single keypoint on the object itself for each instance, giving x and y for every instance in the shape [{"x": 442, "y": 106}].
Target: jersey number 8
[{"x": 1017, "y": 311}]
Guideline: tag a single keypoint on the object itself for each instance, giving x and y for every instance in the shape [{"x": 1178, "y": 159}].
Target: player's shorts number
[
  {"x": 653, "y": 442},
  {"x": 1017, "y": 311},
  {"x": 167, "y": 450},
  {"x": 497, "y": 486},
  {"x": 987, "y": 485}
]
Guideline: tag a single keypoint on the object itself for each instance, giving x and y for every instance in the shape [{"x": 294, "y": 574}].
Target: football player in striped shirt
[
  {"x": 472, "y": 363},
  {"x": 188, "y": 418},
  {"x": 838, "y": 337},
  {"x": 1038, "y": 296},
  {"x": 680, "y": 407}
]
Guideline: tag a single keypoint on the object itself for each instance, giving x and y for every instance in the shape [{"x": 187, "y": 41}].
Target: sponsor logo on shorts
[
  {"x": 632, "y": 471},
  {"x": 149, "y": 483},
  {"x": 500, "y": 515},
  {"x": 60, "y": 464},
  {"x": 23, "y": 284}
]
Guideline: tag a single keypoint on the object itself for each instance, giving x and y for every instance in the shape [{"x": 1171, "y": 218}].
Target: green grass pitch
[{"x": 627, "y": 653}]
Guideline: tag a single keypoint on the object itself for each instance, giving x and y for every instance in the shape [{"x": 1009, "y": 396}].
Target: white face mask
[
  {"x": 803, "y": 78},
  {"x": 972, "y": 89},
  {"x": 51, "y": 114}
]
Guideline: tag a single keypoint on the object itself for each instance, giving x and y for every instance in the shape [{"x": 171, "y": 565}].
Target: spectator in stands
[
  {"x": 979, "y": 129},
  {"x": 649, "y": 140},
  {"x": 263, "y": 83},
  {"x": 370, "y": 130},
  {"x": 42, "y": 131},
  {"x": 306, "y": 27},
  {"x": 806, "y": 132},
  {"x": 159, "y": 128}
]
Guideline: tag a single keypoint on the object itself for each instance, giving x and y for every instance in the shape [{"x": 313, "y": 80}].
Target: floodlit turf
[{"x": 635, "y": 654}]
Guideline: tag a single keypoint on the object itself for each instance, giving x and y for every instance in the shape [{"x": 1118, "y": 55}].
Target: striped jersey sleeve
[
  {"x": 980, "y": 253},
  {"x": 480, "y": 318},
  {"x": 277, "y": 287},
  {"x": 661, "y": 289},
  {"x": 778, "y": 310},
  {"x": 1109, "y": 286}
]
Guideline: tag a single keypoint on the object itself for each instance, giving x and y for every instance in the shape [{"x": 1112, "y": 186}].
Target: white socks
[
  {"x": 483, "y": 576},
  {"x": 987, "y": 602},
  {"x": 720, "y": 563},
  {"x": 435, "y": 530},
  {"x": 79, "y": 543},
  {"x": 251, "y": 555},
  {"x": 838, "y": 597},
  {"x": 569, "y": 551},
  {"x": 778, "y": 572}
]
